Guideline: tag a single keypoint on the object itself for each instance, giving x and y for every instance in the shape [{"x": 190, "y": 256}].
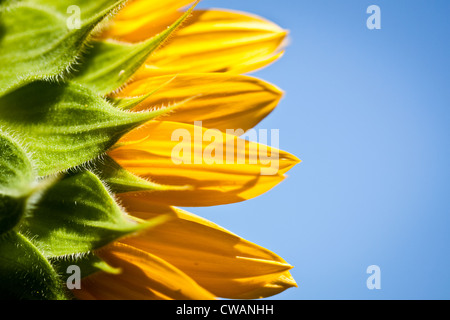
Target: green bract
[
  {"x": 64, "y": 125},
  {"x": 25, "y": 273},
  {"x": 56, "y": 122},
  {"x": 16, "y": 182},
  {"x": 76, "y": 215},
  {"x": 36, "y": 41},
  {"x": 108, "y": 65}
]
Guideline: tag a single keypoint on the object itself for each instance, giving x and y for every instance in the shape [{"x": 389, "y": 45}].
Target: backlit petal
[
  {"x": 217, "y": 41},
  {"x": 227, "y": 170},
  {"x": 220, "y": 261},
  {"x": 142, "y": 19},
  {"x": 222, "y": 101},
  {"x": 144, "y": 276}
]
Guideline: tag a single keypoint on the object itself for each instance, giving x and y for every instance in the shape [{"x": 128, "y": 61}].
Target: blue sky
[{"x": 368, "y": 112}]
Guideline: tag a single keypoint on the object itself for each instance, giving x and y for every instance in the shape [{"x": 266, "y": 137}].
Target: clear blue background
[{"x": 368, "y": 112}]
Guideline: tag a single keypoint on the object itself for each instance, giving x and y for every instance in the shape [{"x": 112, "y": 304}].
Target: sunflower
[{"x": 112, "y": 119}]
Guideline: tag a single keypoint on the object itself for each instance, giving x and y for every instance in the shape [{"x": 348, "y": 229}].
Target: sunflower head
[{"x": 112, "y": 114}]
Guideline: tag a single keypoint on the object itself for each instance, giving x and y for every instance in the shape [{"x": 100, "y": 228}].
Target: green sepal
[
  {"x": 16, "y": 170},
  {"x": 76, "y": 215},
  {"x": 24, "y": 273},
  {"x": 65, "y": 125},
  {"x": 88, "y": 263},
  {"x": 11, "y": 211},
  {"x": 16, "y": 182},
  {"x": 109, "y": 65},
  {"x": 128, "y": 103},
  {"x": 36, "y": 42},
  {"x": 120, "y": 180},
  {"x": 88, "y": 8}
]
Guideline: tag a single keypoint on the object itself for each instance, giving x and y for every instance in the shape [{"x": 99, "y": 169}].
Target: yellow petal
[
  {"x": 227, "y": 170},
  {"x": 220, "y": 261},
  {"x": 217, "y": 41},
  {"x": 142, "y": 19},
  {"x": 144, "y": 276},
  {"x": 222, "y": 101}
]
